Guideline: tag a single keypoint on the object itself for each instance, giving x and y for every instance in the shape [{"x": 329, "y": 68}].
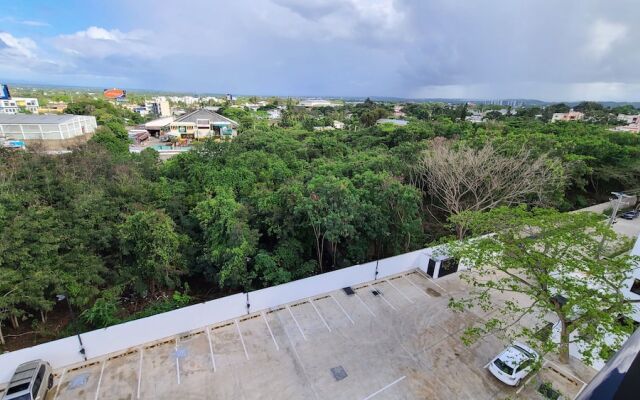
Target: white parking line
[
  {"x": 177, "y": 361},
  {"x": 100, "y": 379},
  {"x": 213, "y": 360},
  {"x": 364, "y": 304},
  {"x": 64, "y": 371},
  {"x": 270, "y": 332},
  {"x": 398, "y": 290},
  {"x": 241, "y": 339},
  {"x": 295, "y": 352},
  {"x": 427, "y": 277},
  {"x": 384, "y": 388},
  {"x": 320, "y": 315},
  {"x": 385, "y": 300},
  {"x": 416, "y": 286},
  {"x": 140, "y": 371},
  {"x": 343, "y": 310},
  {"x": 297, "y": 324}
]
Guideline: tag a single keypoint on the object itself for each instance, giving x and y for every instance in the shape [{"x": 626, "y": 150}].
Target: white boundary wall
[{"x": 123, "y": 337}]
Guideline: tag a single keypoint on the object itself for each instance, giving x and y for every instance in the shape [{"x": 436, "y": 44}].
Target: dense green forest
[{"x": 125, "y": 235}]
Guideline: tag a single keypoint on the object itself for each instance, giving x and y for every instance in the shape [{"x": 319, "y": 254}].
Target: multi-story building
[
  {"x": 201, "y": 124},
  {"x": 28, "y": 103},
  {"x": 9, "y": 106},
  {"x": 159, "y": 106},
  {"x": 568, "y": 116},
  {"x": 629, "y": 119}
]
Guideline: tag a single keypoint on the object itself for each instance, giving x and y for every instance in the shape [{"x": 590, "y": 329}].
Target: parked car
[
  {"x": 514, "y": 363},
  {"x": 31, "y": 381},
  {"x": 633, "y": 214}
]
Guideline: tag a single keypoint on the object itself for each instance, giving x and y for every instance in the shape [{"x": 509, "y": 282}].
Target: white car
[{"x": 514, "y": 363}]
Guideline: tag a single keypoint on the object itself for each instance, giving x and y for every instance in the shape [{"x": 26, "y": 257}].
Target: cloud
[
  {"x": 13, "y": 49},
  {"x": 26, "y": 22},
  {"x": 101, "y": 43},
  {"x": 569, "y": 50},
  {"x": 603, "y": 36}
]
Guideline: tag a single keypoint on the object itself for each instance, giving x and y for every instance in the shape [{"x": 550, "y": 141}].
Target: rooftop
[
  {"x": 205, "y": 114},
  {"x": 393, "y": 338},
  {"x": 36, "y": 118}
]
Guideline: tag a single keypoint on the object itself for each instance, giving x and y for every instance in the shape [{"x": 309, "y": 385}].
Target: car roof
[
  {"x": 25, "y": 373},
  {"x": 513, "y": 356}
]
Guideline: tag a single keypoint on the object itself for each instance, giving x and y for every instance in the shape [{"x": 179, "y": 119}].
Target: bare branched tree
[{"x": 463, "y": 178}]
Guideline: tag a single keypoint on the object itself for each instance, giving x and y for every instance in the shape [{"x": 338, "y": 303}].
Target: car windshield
[
  {"x": 503, "y": 367},
  {"x": 23, "y": 397}
]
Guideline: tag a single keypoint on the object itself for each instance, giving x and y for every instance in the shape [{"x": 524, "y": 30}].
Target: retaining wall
[{"x": 120, "y": 338}]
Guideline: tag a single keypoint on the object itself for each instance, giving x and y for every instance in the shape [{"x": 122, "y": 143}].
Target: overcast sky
[{"x": 544, "y": 49}]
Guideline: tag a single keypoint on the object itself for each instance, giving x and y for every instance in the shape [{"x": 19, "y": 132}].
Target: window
[
  {"x": 503, "y": 367},
  {"x": 635, "y": 288},
  {"x": 37, "y": 382}
]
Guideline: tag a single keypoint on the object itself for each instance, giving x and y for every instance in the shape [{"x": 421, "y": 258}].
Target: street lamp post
[
  {"x": 612, "y": 217},
  {"x": 61, "y": 297}
]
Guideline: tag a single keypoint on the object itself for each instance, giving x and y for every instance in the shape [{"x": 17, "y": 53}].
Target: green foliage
[
  {"x": 149, "y": 246},
  {"x": 541, "y": 254},
  {"x": 277, "y": 203}
]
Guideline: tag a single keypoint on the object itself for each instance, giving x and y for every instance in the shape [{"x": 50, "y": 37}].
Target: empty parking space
[
  {"x": 120, "y": 377},
  {"x": 402, "y": 342},
  {"x": 160, "y": 370},
  {"x": 81, "y": 383}
]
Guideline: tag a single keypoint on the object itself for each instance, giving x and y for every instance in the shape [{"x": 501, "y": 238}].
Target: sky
[{"x": 552, "y": 50}]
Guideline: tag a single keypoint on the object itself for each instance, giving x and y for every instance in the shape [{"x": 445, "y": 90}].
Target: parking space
[{"x": 397, "y": 343}]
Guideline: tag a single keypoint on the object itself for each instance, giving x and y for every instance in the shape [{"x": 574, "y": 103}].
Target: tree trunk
[
  {"x": 564, "y": 343},
  {"x": 14, "y": 322},
  {"x": 2, "y": 342},
  {"x": 43, "y": 316}
]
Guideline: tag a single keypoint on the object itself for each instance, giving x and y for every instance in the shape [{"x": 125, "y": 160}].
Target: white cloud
[
  {"x": 603, "y": 36},
  {"x": 15, "y": 49},
  {"x": 100, "y": 43}
]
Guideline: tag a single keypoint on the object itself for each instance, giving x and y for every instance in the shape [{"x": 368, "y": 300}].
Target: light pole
[
  {"x": 612, "y": 217},
  {"x": 61, "y": 297}
]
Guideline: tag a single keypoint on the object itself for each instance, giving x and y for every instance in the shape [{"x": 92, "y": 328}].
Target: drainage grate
[
  {"x": 339, "y": 373},
  {"x": 180, "y": 352},
  {"x": 348, "y": 291},
  {"x": 79, "y": 381},
  {"x": 433, "y": 292},
  {"x": 376, "y": 292}
]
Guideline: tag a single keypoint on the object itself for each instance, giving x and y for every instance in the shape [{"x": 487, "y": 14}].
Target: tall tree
[
  {"x": 150, "y": 247},
  {"x": 463, "y": 178},
  {"x": 545, "y": 263},
  {"x": 229, "y": 241}
]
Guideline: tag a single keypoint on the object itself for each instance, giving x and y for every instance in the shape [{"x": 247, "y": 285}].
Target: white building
[
  {"x": 569, "y": 116},
  {"x": 160, "y": 106},
  {"x": 28, "y": 103},
  {"x": 312, "y": 103},
  {"x": 46, "y": 127},
  {"x": 629, "y": 119},
  {"x": 9, "y": 106}
]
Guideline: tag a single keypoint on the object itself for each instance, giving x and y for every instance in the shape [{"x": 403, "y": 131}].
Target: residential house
[
  {"x": 569, "y": 116},
  {"x": 201, "y": 124}
]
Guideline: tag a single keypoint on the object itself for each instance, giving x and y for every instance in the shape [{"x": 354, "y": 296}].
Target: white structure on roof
[
  {"x": 312, "y": 103},
  {"x": 46, "y": 127}
]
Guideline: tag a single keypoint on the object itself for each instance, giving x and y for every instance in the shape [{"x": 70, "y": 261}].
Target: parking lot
[{"x": 401, "y": 343}]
